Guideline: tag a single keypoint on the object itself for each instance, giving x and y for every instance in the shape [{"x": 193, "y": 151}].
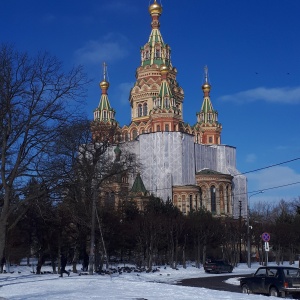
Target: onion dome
[
  {"x": 104, "y": 85},
  {"x": 206, "y": 87},
  {"x": 155, "y": 9},
  {"x": 164, "y": 69}
]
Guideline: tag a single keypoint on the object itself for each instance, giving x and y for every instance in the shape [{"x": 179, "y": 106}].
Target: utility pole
[
  {"x": 240, "y": 227},
  {"x": 248, "y": 230},
  {"x": 92, "y": 244}
]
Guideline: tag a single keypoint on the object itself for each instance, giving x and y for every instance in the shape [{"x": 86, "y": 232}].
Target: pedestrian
[
  {"x": 3, "y": 263},
  {"x": 63, "y": 263}
]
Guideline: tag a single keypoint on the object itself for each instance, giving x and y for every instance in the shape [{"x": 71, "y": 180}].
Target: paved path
[{"x": 214, "y": 283}]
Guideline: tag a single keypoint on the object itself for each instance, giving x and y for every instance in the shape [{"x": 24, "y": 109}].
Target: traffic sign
[
  {"x": 267, "y": 248},
  {"x": 265, "y": 237}
]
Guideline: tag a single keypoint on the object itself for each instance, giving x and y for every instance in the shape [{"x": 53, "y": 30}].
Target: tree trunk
[
  {"x": 92, "y": 244},
  {"x": 198, "y": 249},
  {"x": 75, "y": 260},
  {"x": 3, "y": 221},
  {"x": 204, "y": 254},
  {"x": 40, "y": 262}
]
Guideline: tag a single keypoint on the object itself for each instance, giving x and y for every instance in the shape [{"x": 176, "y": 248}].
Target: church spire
[
  {"x": 104, "y": 112},
  {"x": 208, "y": 117},
  {"x": 155, "y": 51}
]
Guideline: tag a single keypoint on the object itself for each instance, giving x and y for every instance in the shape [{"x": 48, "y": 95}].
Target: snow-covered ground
[{"x": 23, "y": 284}]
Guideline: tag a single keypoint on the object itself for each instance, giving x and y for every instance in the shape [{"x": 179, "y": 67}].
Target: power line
[
  {"x": 276, "y": 187},
  {"x": 271, "y": 166}
]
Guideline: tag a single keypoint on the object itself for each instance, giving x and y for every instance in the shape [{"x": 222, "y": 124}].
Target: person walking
[{"x": 63, "y": 263}]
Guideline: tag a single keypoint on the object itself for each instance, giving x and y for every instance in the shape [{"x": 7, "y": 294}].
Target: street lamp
[{"x": 248, "y": 230}]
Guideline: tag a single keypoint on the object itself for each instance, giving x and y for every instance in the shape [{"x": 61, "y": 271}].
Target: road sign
[
  {"x": 265, "y": 237},
  {"x": 267, "y": 248}
]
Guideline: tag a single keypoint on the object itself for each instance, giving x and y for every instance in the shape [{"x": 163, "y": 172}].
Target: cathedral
[{"x": 184, "y": 163}]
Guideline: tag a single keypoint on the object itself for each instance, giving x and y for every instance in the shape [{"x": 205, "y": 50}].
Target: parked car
[
  {"x": 274, "y": 281},
  {"x": 217, "y": 266}
]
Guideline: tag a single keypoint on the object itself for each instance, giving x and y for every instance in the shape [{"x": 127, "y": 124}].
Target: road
[{"x": 214, "y": 283}]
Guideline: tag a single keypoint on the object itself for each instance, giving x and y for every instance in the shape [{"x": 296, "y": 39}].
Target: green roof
[{"x": 138, "y": 185}]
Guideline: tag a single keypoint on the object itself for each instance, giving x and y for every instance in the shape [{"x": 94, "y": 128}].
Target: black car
[
  {"x": 274, "y": 281},
  {"x": 217, "y": 266}
]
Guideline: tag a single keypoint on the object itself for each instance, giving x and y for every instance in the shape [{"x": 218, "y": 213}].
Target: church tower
[
  {"x": 156, "y": 98},
  {"x": 207, "y": 119},
  {"x": 104, "y": 125}
]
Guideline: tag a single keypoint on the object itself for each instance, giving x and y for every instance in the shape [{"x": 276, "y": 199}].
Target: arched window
[
  {"x": 167, "y": 102},
  {"x": 140, "y": 110},
  {"x": 157, "y": 128},
  {"x": 157, "y": 53},
  {"x": 213, "y": 199},
  {"x": 183, "y": 204},
  {"x": 109, "y": 199},
  {"x": 175, "y": 200},
  {"x": 126, "y": 136},
  {"x": 145, "y": 110},
  {"x": 222, "y": 203},
  {"x": 201, "y": 197},
  {"x": 134, "y": 134},
  {"x": 227, "y": 199},
  {"x": 104, "y": 115},
  {"x": 167, "y": 128}
]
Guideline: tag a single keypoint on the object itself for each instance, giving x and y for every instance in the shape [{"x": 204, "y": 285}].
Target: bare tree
[{"x": 35, "y": 96}]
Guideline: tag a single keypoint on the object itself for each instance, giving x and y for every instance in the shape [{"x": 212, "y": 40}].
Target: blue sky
[{"x": 250, "y": 47}]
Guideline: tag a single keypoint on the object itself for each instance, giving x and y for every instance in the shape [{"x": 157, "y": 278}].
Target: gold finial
[
  {"x": 164, "y": 69},
  {"x": 104, "y": 84},
  {"x": 155, "y": 9}
]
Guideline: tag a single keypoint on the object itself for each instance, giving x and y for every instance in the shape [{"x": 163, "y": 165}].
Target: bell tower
[
  {"x": 207, "y": 118},
  {"x": 152, "y": 77}
]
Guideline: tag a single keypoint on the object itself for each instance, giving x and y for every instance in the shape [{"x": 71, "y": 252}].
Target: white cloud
[
  {"x": 111, "y": 48},
  {"x": 274, "y": 95},
  {"x": 278, "y": 180}
]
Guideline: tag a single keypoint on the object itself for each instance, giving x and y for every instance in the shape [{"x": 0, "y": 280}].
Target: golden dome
[
  {"x": 104, "y": 84},
  {"x": 155, "y": 8},
  {"x": 164, "y": 69},
  {"x": 206, "y": 87}
]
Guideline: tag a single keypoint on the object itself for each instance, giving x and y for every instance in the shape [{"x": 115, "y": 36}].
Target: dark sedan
[
  {"x": 273, "y": 281},
  {"x": 217, "y": 266}
]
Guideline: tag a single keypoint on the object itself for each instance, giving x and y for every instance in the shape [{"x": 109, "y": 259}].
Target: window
[
  {"x": 227, "y": 199},
  {"x": 125, "y": 136},
  {"x": 213, "y": 199},
  {"x": 210, "y": 140},
  {"x": 157, "y": 53},
  {"x": 261, "y": 272},
  {"x": 200, "y": 192},
  {"x": 109, "y": 199},
  {"x": 140, "y": 110},
  {"x": 191, "y": 202},
  {"x": 175, "y": 200},
  {"x": 145, "y": 110},
  {"x": 134, "y": 134},
  {"x": 157, "y": 128},
  {"x": 222, "y": 203},
  {"x": 167, "y": 127}
]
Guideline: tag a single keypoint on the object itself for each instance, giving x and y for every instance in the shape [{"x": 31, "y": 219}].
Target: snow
[{"x": 21, "y": 283}]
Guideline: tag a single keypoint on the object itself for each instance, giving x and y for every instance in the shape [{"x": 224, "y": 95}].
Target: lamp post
[{"x": 248, "y": 230}]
